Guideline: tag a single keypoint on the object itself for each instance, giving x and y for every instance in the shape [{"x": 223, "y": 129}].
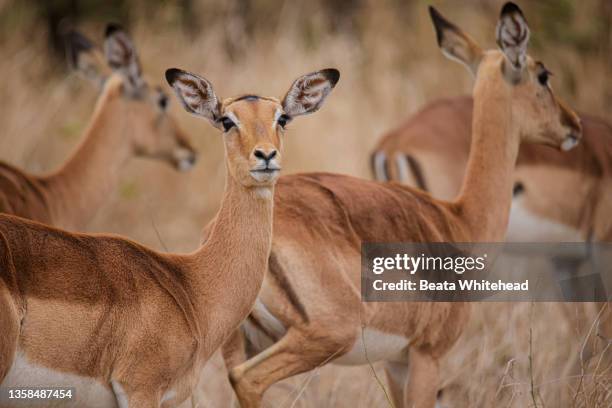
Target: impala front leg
[{"x": 234, "y": 350}]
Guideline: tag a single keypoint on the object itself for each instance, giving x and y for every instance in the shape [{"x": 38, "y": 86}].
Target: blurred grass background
[{"x": 390, "y": 66}]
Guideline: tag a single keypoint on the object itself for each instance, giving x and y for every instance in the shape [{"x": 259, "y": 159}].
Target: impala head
[
  {"x": 539, "y": 115},
  {"x": 152, "y": 131},
  {"x": 253, "y": 126}
]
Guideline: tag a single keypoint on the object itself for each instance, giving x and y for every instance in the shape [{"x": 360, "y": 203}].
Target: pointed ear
[
  {"x": 85, "y": 58},
  {"x": 308, "y": 92},
  {"x": 121, "y": 56},
  {"x": 454, "y": 43},
  {"x": 195, "y": 93},
  {"x": 513, "y": 35}
]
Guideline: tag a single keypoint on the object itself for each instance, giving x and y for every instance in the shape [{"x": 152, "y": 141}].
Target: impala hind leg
[
  {"x": 293, "y": 354},
  {"x": 423, "y": 380},
  {"x": 397, "y": 377}
]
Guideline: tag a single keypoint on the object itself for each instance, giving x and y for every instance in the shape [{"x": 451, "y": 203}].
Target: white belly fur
[
  {"x": 379, "y": 346},
  {"x": 88, "y": 392}
]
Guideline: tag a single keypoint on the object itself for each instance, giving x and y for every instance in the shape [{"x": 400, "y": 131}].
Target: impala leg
[
  {"x": 424, "y": 381},
  {"x": 133, "y": 399},
  {"x": 287, "y": 357},
  {"x": 397, "y": 377},
  {"x": 234, "y": 354},
  {"x": 234, "y": 350}
]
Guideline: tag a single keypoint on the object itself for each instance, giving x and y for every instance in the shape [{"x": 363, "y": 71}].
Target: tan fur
[
  {"x": 313, "y": 283},
  {"x": 121, "y": 127}
]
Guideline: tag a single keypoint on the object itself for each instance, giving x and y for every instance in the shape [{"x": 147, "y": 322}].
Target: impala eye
[
  {"x": 544, "y": 76},
  {"x": 163, "y": 102},
  {"x": 283, "y": 120},
  {"x": 227, "y": 123}
]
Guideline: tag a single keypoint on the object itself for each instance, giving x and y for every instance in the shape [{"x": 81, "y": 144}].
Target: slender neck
[
  {"x": 78, "y": 188},
  {"x": 486, "y": 194},
  {"x": 228, "y": 270}
]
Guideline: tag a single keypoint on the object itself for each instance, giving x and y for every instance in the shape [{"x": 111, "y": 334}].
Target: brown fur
[{"x": 321, "y": 220}]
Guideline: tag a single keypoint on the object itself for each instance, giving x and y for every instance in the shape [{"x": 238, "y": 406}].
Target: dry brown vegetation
[{"x": 515, "y": 355}]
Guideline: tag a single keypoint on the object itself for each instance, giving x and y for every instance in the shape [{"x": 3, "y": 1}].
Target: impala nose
[{"x": 265, "y": 156}]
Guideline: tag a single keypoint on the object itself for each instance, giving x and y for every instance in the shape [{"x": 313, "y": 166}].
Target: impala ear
[
  {"x": 121, "y": 56},
  {"x": 308, "y": 92},
  {"x": 85, "y": 58},
  {"x": 195, "y": 93},
  {"x": 513, "y": 35},
  {"x": 454, "y": 43}
]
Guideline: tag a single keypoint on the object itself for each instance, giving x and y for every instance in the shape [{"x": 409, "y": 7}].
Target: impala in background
[
  {"x": 558, "y": 195},
  {"x": 130, "y": 119}
]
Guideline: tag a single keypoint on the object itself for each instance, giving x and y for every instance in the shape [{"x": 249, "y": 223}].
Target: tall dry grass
[{"x": 515, "y": 355}]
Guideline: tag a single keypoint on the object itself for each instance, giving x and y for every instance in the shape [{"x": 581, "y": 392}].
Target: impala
[
  {"x": 309, "y": 311},
  {"x": 130, "y": 326},
  {"x": 558, "y": 196},
  {"x": 130, "y": 119}
]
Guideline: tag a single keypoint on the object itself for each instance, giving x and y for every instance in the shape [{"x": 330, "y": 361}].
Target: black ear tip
[
  {"x": 433, "y": 12},
  {"x": 510, "y": 8},
  {"x": 332, "y": 75},
  {"x": 435, "y": 15},
  {"x": 172, "y": 75},
  {"x": 112, "y": 28},
  {"x": 439, "y": 22},
  {"x": 76, "y": 43}
]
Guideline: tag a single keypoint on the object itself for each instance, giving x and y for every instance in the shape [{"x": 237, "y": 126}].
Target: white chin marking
[
  {"x": 568, "y": 144},
  {"x": 262, "y": 177},
  {"x": 263, "y": 192}
]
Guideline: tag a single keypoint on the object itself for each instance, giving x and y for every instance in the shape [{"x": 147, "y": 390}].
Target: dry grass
[{"x": 390, "y": 66}]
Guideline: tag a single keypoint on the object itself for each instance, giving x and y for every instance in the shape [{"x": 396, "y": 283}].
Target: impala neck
[
  {"x": 229, "y": 268},
  {"x": 78, "y": 188},
  {"x": 485, "y": 197}
]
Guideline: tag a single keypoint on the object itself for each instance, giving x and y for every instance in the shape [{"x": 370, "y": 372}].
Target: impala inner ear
[
  {"x": 307, "y": 93},
  {"x": 122, "y": 57},
  {"x": 195, "y": 93},
  {"x": 513, "y": 36}
]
